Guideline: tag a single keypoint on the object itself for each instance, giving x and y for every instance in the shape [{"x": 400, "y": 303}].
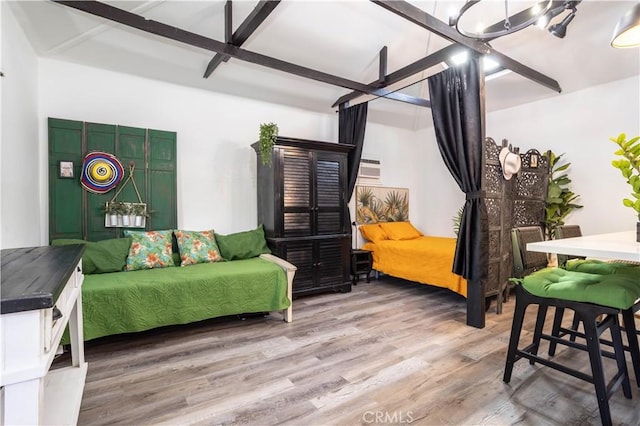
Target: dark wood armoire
[{"x": 302, "y": 203}]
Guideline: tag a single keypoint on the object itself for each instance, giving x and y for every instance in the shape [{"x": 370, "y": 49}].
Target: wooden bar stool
[
  {"x": 592, "y": 266},
  {"x": 629, "y": 326},
  {"x": 561, "y": 289}
]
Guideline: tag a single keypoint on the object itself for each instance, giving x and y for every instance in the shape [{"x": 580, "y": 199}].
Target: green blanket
[{"x": 123, "y": 302}]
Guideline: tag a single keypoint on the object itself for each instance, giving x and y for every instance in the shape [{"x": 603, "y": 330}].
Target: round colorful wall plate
[{"x": 101, "y": 172}]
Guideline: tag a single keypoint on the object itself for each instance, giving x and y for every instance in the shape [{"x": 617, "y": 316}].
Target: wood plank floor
[{"x": 389, "y": 352}]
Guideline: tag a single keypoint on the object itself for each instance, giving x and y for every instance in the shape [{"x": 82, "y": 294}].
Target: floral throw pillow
[
  {"x": 197, "y": 247},
  {"x": 149, "y": 250}
]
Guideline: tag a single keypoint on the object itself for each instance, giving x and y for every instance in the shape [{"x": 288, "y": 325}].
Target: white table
[
  {"x": 618, "y": 245},
  {"x": 36, "y": 282}
]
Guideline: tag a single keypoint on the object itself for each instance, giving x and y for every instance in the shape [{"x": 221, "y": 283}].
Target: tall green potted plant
[
  {"x": 560, "y": 200},
  {"x": 629, "y": 166}
]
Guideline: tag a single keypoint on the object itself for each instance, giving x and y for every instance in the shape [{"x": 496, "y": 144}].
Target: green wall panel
[
  {"x": 131, "y": 144},
  {"x": 99, "y": 137},
  {"x": 132, "y": 149},
  {"x": 65, "y": 195},
  {"x": 162, "y": 179},
  {"x": 77, "y": 213}
]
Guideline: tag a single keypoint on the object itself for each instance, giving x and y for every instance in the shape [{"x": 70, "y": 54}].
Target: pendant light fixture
[
  {"x": 471, "y": 27},
  {"x": 627, "y": 32},
  {"x": 540, "y": 13}
]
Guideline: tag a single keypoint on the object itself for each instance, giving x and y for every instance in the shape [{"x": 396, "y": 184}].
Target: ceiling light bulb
[
  {"x": 489, "y": 64},
  {"x": 543, "y": 22},
  {"x": 460, "y": 58},
  {"x": 497, "y": 75}
]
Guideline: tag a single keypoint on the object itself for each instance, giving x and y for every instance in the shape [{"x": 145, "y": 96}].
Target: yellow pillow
[
  {"x": 373, "y": 232},
  {"x": 400, "y": 230}
]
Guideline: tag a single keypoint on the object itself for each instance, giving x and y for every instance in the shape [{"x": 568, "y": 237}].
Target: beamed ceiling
[{"x": 319, "y": 54}]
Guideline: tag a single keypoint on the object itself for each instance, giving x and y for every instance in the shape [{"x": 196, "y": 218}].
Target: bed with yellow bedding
[{"x": 401, "y": 251}]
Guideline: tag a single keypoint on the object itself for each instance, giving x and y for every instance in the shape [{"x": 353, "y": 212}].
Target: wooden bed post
[
  {"x": 476, "y": 305},
  {"x": 476, "y": 289}
]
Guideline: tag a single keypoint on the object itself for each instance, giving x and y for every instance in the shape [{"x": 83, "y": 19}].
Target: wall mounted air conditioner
[{"x": 369, "y": 172}]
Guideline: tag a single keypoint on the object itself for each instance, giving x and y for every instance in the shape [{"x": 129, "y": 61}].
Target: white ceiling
[{"x": 342, "y": 38}]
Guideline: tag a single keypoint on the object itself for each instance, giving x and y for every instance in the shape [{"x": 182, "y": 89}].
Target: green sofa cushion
[
  {"x": 103, "y": 256},
  {"x": 593, "y": 266},
  {"x": 616, "y": 291},
  {"x": 242, "y": 245},
  {"x": 126, "y": 302}
]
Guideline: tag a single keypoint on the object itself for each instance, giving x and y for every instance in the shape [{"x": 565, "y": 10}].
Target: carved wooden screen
[
  {"x": 499, "y": 202},
  {"x": 531, "y": 189}
]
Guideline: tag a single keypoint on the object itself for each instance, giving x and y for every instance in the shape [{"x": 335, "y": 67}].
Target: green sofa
[{"x": 116, "y": 301}]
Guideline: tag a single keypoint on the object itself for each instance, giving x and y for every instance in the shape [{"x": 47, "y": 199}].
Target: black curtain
[
  {"x": 457, "y": 117},
  {"x": 351, "y": 126}
]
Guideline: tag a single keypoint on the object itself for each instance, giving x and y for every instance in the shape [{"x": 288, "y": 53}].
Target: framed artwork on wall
[
  {"x": 381, "y": 204},
  {"x": 65, "y": 169}
]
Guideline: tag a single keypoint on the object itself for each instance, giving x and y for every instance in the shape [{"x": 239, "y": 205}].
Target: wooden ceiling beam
[
  {"x": 431, "y": 60},
  {"x": 382, "y": 66},
  {"x": 442, "y": 55},
  {"x": 405, "y": 72},
  {"x": 173, "y": 33},
  {"x": 228, "y": 22},
  {"x": 436, "y": 26},
  {"x": 244, "y": 31}
]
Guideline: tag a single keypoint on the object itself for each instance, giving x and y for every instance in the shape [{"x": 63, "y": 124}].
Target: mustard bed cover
[{"x": 427, "y": 260}]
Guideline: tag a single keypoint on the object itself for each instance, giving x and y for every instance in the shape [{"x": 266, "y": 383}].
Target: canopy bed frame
[{"x": 428, "y": 260}]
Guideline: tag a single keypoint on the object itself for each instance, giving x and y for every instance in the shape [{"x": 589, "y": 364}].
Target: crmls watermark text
[{"x": 382, "y": 417}]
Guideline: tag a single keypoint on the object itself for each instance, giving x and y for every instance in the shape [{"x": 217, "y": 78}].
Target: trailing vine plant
[
  {"x": 629, "y": 166},
  {"x": 268, "y": 135},
  {"x": 560, "y": 200}
]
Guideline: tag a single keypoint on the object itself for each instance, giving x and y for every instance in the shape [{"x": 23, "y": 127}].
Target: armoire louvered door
[{"x": 302, "y": 205}]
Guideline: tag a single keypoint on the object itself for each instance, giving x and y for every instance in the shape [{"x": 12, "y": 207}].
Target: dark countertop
[{"x": 32, "y": 278}]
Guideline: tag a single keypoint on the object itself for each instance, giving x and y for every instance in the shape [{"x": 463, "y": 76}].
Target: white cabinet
[{"x": 41, "y": 294}]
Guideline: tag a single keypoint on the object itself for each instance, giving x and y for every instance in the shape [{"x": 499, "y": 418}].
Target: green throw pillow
[
  {"x": 101, "y": 257},
  {"x": 149, "y": 250},
  {"x": 197, "y": 247},
  {"x": 243, "y": 245}
]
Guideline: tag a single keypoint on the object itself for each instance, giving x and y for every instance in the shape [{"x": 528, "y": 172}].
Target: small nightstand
[{"x": 361, "y": 261}]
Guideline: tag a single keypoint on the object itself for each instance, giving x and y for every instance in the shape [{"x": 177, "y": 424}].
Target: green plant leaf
[
  {"x": 268, "y": 137},
  {"x": 560, "y": 199}
]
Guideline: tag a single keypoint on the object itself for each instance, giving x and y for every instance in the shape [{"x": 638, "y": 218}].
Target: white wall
[
  {"x": 216, "y": 166},
  {"x": 20, "y": 197},
  {"x": 580, "y": 124}
]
